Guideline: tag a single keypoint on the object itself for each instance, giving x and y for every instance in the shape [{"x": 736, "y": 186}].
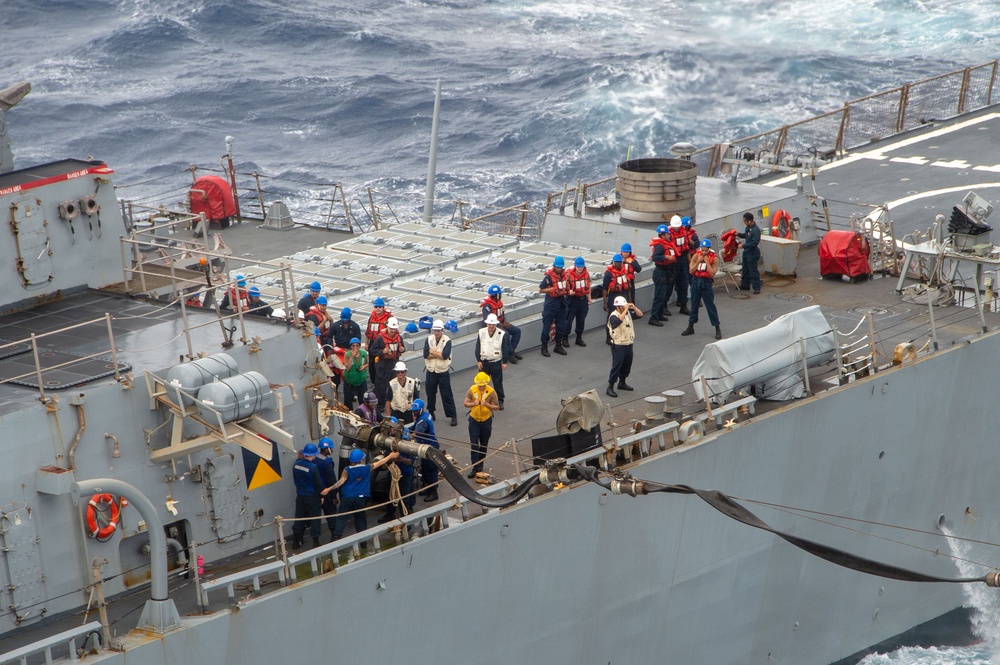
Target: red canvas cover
[
  {"x": 844, "y": 253},
  {"x": 211, "y": 195}
]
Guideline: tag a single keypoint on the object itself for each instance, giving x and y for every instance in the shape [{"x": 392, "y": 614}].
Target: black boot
[
  {"x": 689, "y": 330},
  {"x": 517, "y": 355},
  {"x": 653, "y": 321},
  {"x": 512, "y": 359},
  {"x": 610, "y": 392},
  {"x": 624, "y": 386},
  {"x": 565, "y": 342},
  {"x": 665, "y": 312},
  {"x": 296, "y": 542},
  {"x": 433, "y": 496},
  {"x": 684, "y": 309},
  {"x": 545, "y": 350},
  {"x": 718, "y": 332},
  {"x": 579, "y": 340},
  {"x": 559, "y": 349},
  {"x": 454, "y": 421}
]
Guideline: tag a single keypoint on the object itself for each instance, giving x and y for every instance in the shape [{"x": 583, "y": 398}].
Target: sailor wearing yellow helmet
[{"x": 482, "y": 401}]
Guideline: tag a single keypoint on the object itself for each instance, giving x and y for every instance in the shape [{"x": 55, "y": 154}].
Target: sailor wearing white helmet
[
  {"x": 400, "y": 393},
  {"x": 386, "y": 350},
  {"x": 622, "y": 333},
  {"x": 437, "y": 360},
  {"x": 493, "y": 352},
  {"x": 680, "y": 238}
]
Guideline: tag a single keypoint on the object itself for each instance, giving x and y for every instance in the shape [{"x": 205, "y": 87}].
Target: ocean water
[{"x": 535, "y": 93}]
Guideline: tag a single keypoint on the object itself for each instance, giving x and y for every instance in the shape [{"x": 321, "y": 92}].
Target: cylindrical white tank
[
  {"x": 237, "y": 397},
  {"x": 190, "y": 377}
]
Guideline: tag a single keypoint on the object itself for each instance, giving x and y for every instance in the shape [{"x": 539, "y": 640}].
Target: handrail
[{"x": 66, "y": 638}]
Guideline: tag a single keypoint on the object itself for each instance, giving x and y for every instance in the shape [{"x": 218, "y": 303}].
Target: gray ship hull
[{"x": 578, "y": 576}]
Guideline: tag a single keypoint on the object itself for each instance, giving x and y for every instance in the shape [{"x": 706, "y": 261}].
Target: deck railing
[{"x": 862, "y": 121}]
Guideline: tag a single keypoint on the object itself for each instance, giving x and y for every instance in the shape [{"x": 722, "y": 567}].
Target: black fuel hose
[
  {"x": 461, "y": 485},
  {"x": 728, "y": 507}
]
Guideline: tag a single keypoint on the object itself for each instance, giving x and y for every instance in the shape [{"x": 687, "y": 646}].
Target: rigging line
[
  {"x": 730, "y": 508},
  {"x": 863, "y": 521},
  {"x": 935, "y": 552},
  {"x": 146, "y": 182}
]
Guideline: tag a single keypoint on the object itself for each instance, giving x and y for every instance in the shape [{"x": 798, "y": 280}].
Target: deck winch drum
[
  {"x": 655, "y": 189},
  {"x": 190, "y": 377},
  {"x": 237, "y": 397}
]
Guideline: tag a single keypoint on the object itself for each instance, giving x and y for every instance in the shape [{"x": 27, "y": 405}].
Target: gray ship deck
[{"x": 923, "y": 165}]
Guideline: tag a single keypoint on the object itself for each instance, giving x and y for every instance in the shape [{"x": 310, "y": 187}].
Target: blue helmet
[
  {"x": 254, "y": 291},
  {"x": 241, "y": 281},
  {"x": 617, "y": 258},
  {"x": 357, "y": 455},
  {"x": 418, "y": 405},
  {"x": 315, "y": 286},
  {"x": 412, "y": 327},
  {"x": 354, "y": 340},
  {"x": 451, "y": 326},
  {"x": 626, "y": 247},
  {"x": 494, "y": 291},
  {"x": 394, "y": 420},
  {"x": 345, "y": 314},
  {"x": 578, "y": 262},
  {"x": 321, "y": 300},
  {"x": 559, "y": 262},
  {"x": 685, "y": 221},
  {"x": 310, "y": 450},
  {"x": 706, "y": 243},
  {"x": 378, "y": 302},
  {"x": 662, "y": 228},
  {"x": 326, "y": 442}
]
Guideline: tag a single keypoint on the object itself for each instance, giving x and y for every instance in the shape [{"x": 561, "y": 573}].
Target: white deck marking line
[{"x": 879, "y": 153}]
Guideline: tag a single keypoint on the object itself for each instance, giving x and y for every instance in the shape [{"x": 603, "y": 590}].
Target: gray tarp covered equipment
[
  {"x": 580, "y": 412},
  {"x": 769, "y": 358}
]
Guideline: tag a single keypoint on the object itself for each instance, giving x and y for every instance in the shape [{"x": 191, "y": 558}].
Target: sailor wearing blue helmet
[
  {"x": 377, "y": 322},
  {"x": 355, "y": 372},
  {"x": 555, "y": 311},
  {"x": 355, "y": 489},
  {"x": 257, "y": 306},
  {"x": 614, "y": 283},
  {"x": 236, "y": 295},
  {"x": 328, "y": 474},
  {"x": 423, "y": 433},
  {"x": 309, "y": 492},
  {"x": 579, "y": 300},
  {"x": 632, "y": 267},
  {"x": 493, "y": 304},
  {"x": 309, "y": 299},
  {"x": 704, "y": 265},
  {"x": 318, "y": 319},
  {"x": 345, "y": 329},
  {"x": 665, "y": 258}
]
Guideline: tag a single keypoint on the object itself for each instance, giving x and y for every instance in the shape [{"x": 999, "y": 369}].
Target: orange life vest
[
  {"x": 702, "y": 258},
  {"x": 680, "y": 239},
  {"x": 393, "y": 346},
  {"x": 729, "y": 245},
  {"x": 496, "y": 307},
  {"x": 376, "y": 324},
  {"x": 560, "y": 283},
  {"x": 619, "y": 279},
  {"x": 629, "y": 268},
  {"x": 579, "y": 282},
  {"x": 670, "y": 252}
]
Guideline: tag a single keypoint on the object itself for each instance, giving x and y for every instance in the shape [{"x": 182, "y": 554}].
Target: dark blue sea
[{"x": 536, "y": 93}]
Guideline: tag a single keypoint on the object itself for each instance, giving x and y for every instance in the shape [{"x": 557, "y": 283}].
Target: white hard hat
[
  {"x": 392, "y": 323},
  {"x": 620, "y": 301},
  {"x": 399, "y": 367},
  {"x": 437, "y": 325},
  {"x": 675, "y": 222},
  {"x": 492, "y": 320}
]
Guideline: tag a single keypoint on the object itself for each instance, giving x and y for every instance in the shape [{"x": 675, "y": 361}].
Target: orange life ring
[
  {"x": 105, "y": 532},
  {"x": 781, "y": 224}
]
